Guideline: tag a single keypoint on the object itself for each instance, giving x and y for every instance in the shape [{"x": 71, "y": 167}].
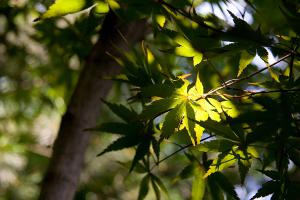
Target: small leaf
[
  {"x": 118, "y": 128},
  {"x": 156, "y": 190},
  {"x": 225, "y": 184},
  {"x": 245, "y": 60},
  {"x": 159, "y": 107},
  {"x": 160, "y": 184},
  {"x": 156, "y": 148},
  {"x": 197, "y": 58},
  {"x": 222, "y": 162},
  {"x": 243, "y": 169},
  {"x": 121, "y": 143},
  {"x": 271, "y": 174},
  {"x": 101, "y": 7},
  {"x": 141, "y": 151},
  {"x": 263, "y": 54},
  {"x": 219, "y": 145},
  {"x": 219, "y": 129},
  {"x": 161, "y": 20},
  {"x": 172, "y": 121},
  {"x": 267, "y": 188},
  {"x": 198, "y": 186},
  {"x": 121, "y": 111},
  {"x": 62, "y": 7},
  {"x": 186, "y": 172},
  {"x": 199, "y": 86},
  {"x": 144, "y": 187}
]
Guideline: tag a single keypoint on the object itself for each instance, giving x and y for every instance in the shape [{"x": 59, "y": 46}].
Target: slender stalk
[{"x": 235, "y": 81}]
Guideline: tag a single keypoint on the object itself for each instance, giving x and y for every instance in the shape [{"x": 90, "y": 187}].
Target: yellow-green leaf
[
  {"x": 199, "y": 85},
  {"x": 63, "y": 7},
  {"x": 198, "y": 188},
  {"x": 245, "y": 60},
  {"x": 160, "y": 20},
  {"x": 197, "y": 58},
  {"x": 220, "y": 164},
  {"x": 101, "y": 7},
  {"x": 113, "y": 4},
  {"x": 184, "y": 51}
]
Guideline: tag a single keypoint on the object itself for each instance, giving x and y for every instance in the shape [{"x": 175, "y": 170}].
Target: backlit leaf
[
  {"x": 245, "y": 60},
  {"x": 198, "y": 185},
  {"x": 220, "y": 163},
  {"x": 63, "y": 7},
  {"x": 173, "y": 120}
]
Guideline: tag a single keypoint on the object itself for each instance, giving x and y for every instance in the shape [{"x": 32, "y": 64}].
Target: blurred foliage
[{"x": 211, "y": 98}]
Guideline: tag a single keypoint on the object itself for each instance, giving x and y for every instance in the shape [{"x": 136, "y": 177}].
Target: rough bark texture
[{"x": 62, "y": 177}]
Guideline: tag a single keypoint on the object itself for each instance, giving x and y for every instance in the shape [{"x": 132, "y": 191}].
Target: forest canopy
[{"x": 202, "y": 97}]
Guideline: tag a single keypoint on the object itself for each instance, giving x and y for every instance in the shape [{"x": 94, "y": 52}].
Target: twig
[
  {"x": 234, "y": 81},
  {"x": 260, "y": 92}
]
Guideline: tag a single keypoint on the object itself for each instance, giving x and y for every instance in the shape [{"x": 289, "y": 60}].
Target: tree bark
[{"x": 62, "y": 177}]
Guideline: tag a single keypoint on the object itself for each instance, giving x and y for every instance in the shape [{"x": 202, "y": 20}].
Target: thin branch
[
  {"x": 251, "y": 93},
  {"x": 234, "y": 81}
]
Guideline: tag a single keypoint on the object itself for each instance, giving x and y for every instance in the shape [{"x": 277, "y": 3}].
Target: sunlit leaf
[
  {"x": 101, "y": 7},
  {"x": 219, "y": 145},
  {"x": 198, "y": 185},
  {"x": 220, "y": 163},
  {"x": 160, "y": 19},
  {"x": 159, "y": 107},
  {"x": 63, "y": 7},
  {"x": 245, "y": 60},
  {"x": 173, "y": 120},
  {"x": 197, "y": 58},
  {"x": 218, "y": 129}
]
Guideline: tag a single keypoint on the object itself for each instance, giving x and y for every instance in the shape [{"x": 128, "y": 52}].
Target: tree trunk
[{"x": 62, "y": 177}]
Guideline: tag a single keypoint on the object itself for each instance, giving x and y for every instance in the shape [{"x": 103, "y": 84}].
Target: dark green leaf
[
  {"x": 119, "y": 128},
  {"x": 219, "y": 145},
  {"x": 243, "y": 169},
  {"x": 158, "y": 107},
  {"x": 159, "y": 90},
  {"x": 271, "y": 173},
  {"x": 156, "y": 148},
  {"x": 121, "y": 111},
  {"x": 141, "y": 151},
  {"x": 225, "y": 184},
  {"x": 267, "y": 188},
  {"x": 160, "y": 184},
  {"x": 294, "y": 155},
  {"x": 121, "y": 143},
  {"x": 144, "y": 187},
  {"x": 219, "y": 129},
  {"x": 156, "y": 190}
]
